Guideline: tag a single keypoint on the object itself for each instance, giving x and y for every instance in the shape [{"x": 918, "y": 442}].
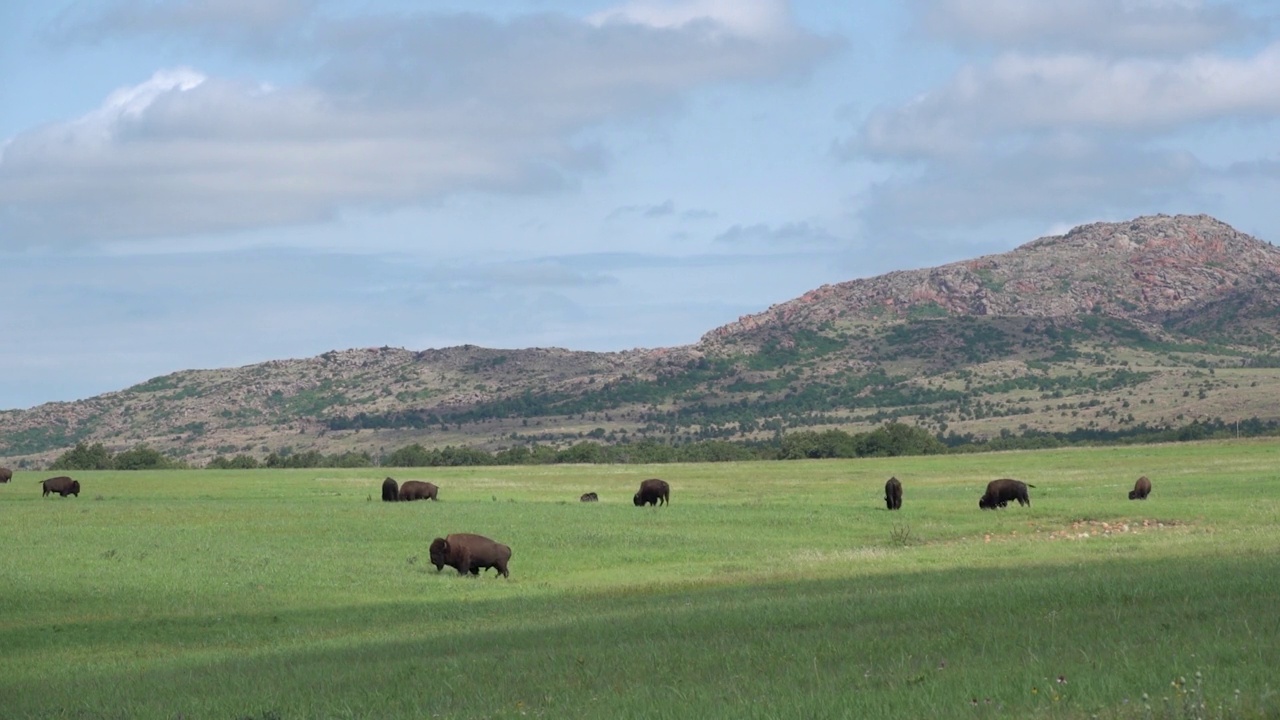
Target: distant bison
[
  {"x": 62, "y": 485},
  {"x": 589, "y": 497},
  {"x": 893, "y": 494},
  {"x": 1141, "y": 489},
  {"x": 654, "y": 491},
  {"x": 468, "y": 553},
  {"x": 5, "y": 474},
  {"x": 1000, "y": 492},
  {"x": 390, "y": 492},
  {"x": 417, "y": 490}
]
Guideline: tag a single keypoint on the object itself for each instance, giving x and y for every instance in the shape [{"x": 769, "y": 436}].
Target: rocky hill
[
  {"x": 1155, "y": 321},
  {"x": 1149, "y": 270}
]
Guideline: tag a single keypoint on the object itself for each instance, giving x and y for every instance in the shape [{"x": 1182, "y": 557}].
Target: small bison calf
[{"x": 589, "y": 497}]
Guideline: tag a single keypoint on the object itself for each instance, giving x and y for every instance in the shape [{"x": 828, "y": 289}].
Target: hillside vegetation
[{"x": 1156, "y": 322}]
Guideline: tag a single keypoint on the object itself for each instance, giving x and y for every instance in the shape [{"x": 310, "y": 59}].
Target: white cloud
[
  {"x": 1019, "y": 93},
  {"x": 398, "y": 111},
  {"x": 1121, "y": 26}
]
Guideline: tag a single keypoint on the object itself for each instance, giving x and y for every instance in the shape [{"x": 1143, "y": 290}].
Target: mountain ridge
[{"x": 1175, "y": 294}]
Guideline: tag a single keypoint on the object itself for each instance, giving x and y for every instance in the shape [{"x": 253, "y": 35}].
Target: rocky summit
[
  {"x": 1147, "y": 269},
  {"x": 1153, "y": 322}
]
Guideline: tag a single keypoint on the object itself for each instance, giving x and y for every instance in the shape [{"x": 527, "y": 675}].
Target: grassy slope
[{"x": 764, "y": 590}]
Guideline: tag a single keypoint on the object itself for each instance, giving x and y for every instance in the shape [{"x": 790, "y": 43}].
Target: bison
[
  {"x": 390, "y": 491},
  {"x": 418, "y": 490},
  {"x": 468, "y": 553},
  {"x": 653, "y": 491},
  {"x": 893, "y": 494},
  {"x": 1141, "y": 489},
  {"x": 62, "y": 485},
  {"x": 589, "y": 497},
  {"x": 5, "y": 474},
  {"x": 1000, "y": 492}
]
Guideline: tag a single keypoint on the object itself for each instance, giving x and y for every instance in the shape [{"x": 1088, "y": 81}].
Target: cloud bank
[
  {"x": 1064, "y": 111},
  {"x": 391, "y": 111}
]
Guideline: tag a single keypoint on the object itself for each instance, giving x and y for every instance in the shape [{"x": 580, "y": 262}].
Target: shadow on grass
[{"x": 1044, "y": 640}]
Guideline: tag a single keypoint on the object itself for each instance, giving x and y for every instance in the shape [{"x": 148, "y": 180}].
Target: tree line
[{"x": 889, "y": 440}]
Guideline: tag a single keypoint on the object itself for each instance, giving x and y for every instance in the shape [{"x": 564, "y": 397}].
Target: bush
[{"x": 98, "y": 457}]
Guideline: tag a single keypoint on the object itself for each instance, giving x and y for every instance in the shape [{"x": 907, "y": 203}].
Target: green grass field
[{"x": 765, "y": 590}]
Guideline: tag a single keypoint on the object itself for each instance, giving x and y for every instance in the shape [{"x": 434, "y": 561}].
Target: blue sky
[{"x": 213, "y": 183}]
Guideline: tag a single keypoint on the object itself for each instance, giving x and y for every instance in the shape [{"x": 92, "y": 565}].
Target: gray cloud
[
  {"x": 1119, "y": 26},
  {"x": 1266, "y": 169},
  {"x": 398, "y": 111},
  {"x": 785, "y": 235},
  {"x": 261, "y": 26},
  {"x": 697, "y": 214},
  {"x": 1067, "y": 179},
  {"x": 662, "y": 209}
]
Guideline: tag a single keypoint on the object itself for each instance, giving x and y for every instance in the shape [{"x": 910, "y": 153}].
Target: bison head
[
  {"x": 637, "y": 500},
  {"x": 439, "y": 551}
]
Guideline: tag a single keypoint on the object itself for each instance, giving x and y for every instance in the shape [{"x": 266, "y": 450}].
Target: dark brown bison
[
  {"x": 62, "y": 485},
  {"x": 893, "y": 493},
  {"x": 653, "y": 491},
  {"x": 1141, "y": 489},
  {"x": 1000, "y": 492},
  {"x": 418, "y": 490},
  {"x": 469, "y": 553},
  {"x": 5, "y": 474},
  {"x": 390, "y": 491},
  {"x": 589, "y": 497}
]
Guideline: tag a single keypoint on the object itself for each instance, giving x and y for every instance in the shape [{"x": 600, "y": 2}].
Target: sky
[{"x": 191, "y": 184}]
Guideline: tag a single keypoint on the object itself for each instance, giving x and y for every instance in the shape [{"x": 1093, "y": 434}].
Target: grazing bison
[
  {"x": 893, "y": 494},
  {"x": 469, "y": 553},
  {"x": 653, "y": 491},
  {"x": 1000, "y": 492},
  {"x": 589, "y": 497},
  {"x": 390, "y": 491},
  {"x": 1141, "y": 489},
  {"x": 5, "y": 474},
  {"x": 62, "y": 485},
  {"x": 418, "y": 490}
]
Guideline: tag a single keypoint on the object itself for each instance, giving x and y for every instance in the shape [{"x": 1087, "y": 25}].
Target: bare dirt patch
[{"x": 1085, "y": 529}]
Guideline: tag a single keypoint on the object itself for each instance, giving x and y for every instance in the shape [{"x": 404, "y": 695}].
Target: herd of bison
[{"x": 470, "y": 553}]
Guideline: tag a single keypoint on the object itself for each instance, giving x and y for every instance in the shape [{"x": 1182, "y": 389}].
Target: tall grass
[{"x": 765, "y": 590}]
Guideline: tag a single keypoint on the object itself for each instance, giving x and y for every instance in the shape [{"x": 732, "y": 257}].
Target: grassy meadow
[{"x": 764, "y": 590}]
